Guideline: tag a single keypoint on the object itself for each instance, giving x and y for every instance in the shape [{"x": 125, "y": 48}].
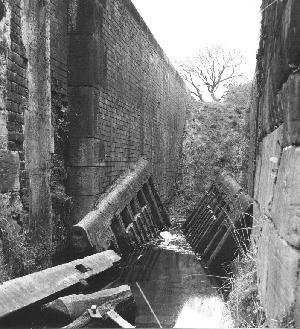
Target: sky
[{"x": 182, "y": 27}]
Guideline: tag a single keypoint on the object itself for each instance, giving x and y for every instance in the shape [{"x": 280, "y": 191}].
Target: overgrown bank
[{"x": 216, "y": 137}]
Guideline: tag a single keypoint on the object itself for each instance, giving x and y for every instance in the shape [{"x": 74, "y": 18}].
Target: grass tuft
[{"x": 243, "y": 301}]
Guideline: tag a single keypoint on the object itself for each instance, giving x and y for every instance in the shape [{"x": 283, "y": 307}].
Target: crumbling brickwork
[
  {"x": 14, "y": 98},
  {"x": 275, "y": 165}
]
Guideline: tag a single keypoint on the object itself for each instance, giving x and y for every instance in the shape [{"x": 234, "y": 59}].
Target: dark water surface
[{"x": 173, "y": 283}]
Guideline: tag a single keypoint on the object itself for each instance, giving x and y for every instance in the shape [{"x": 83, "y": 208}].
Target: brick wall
[
  {"x": 14, "y": 100},
  {"x": 126, "y": 100},
  {"x": 84, "y": 90},
  {"x": 275, "y": 174}
]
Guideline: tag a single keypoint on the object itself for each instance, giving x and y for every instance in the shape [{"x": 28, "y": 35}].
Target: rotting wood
[
  {"x": 156, "y": 214},
  {"x": 224, "y": 210},
  {"x": 73, "y": 306},
  {"x": 115, "y": 317},
  {"x": 24, "y": 291},
  {"x": 92, "y": 232},
  {"x": 120, "y": 304}
]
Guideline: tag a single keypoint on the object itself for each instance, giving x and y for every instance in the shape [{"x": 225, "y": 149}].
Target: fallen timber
[
  {"x": 219, "y": 227},
  {"x": 127, "y": 215},
  {"x": 19, "y": 293},
  {"x": 73, "y": 306},
  {"x": 97, "y": 317}
]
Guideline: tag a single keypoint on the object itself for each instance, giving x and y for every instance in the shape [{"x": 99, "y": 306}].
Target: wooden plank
[
  {"x": 151, "y": 225},
  {"x": 24, "y": 291},
  {"x": 115, "y": 317},
  {"x": 114, "y": 200},
  {"x": 119, "y": 303},
  {"x": 152, "y": 212},
  {"x": 124, "y": 241},
  {"x": 139, "y": 231},
  {"x": 156, "y": 215},
  {"x": 219, "y": 233},
  {"x": 200, "y": 205},
  {"x": 146, "y": 225},
  {"x": 131, "y": 231},
  {"x": 73, "y": 306},
  {"x": 198, "y": 213},
  {"x": 219, "y": 246},
  {"x": 162, "y": 210},
  {"x": 197, "y": 232},
  {"x": 140, "y": 226},
  {"x": 205, "y": 236}
]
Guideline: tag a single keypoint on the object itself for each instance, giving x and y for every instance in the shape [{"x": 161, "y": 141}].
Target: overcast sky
[{"x": 182, "y": 27}]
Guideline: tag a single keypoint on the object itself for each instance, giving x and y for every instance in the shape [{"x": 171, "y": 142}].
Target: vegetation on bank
[{"x": 216, "y": 137}]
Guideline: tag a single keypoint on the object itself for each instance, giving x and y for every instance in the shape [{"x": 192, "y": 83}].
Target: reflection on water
[
  {"x": 175, "y": 286},
  {"x": 207, "y": 312}
]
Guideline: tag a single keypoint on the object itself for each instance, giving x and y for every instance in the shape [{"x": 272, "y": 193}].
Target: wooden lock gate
[
  {"x": 129, "y": 214},
  {"x": 220, "y": 225}
]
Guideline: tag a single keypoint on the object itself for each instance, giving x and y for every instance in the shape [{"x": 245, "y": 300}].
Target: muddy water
[{"x": 175, "y": 286}]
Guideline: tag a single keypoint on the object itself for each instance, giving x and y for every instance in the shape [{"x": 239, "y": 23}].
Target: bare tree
[{"x": 212, "y": 67}]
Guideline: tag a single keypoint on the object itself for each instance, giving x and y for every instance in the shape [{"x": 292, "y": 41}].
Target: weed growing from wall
[{"x": 18, "y": 256}]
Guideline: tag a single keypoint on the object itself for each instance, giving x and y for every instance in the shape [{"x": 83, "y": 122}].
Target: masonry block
[
  {"x": 280, "y": 53},
  {"x": 86, "y": 152},
  {"x": 87, "y": 16},
  {"x": 87, "y": 61},
  {"x": 285, "y": 210},
  {"x": 83, "y": 112},
  {"x": 123, "y": 91},
  {"x": 289, "y": 101},
  {"x": 85, "y": 180},
  {"x": 266, "y": 172},
  {"x": 278, "y": 268}
]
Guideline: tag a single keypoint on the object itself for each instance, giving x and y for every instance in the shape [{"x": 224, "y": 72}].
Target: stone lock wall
[
  {"x": 275, "y": 164},
  {"x": 126, "y": 101},
  {"x": 85, "y": 90}
]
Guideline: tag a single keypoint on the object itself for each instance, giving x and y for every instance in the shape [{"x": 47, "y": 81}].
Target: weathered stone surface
[
  {"x": 86, "y": 152},
  {"x": 278, "y": 56},
  {"x": 276, "y": 104},
  {"x": 86, "y": 16},
  {"x": 86, "y": 180},
  {"x": 37, "y": 121},
  {"x": 82, "y": 204},
  {"x": 123, "y": 91},
  {"x": 285, "y": 210},
  {"x": 278, "y": 268},
  {"x": 87, "y": 63},
  {"x": 9, "y": 171},
  {"x": 266, "y": 173},
  {"x": 83, "y": 116},
  {"x": 289, "y": 103}
]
